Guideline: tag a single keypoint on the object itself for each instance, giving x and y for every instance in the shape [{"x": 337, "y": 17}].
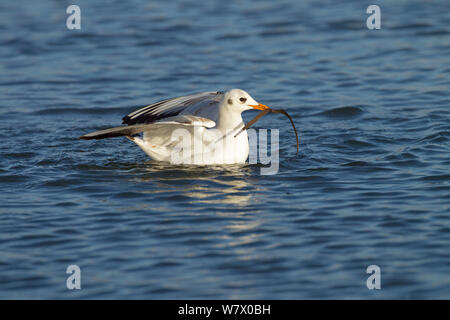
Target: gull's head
[{"x": 238, "y": 100}]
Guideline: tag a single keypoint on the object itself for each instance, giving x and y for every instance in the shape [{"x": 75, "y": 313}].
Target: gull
[{"x": 203, "y": 128}]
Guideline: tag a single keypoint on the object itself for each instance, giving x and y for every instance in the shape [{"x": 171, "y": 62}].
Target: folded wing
[{"x": 169, "y": 122}]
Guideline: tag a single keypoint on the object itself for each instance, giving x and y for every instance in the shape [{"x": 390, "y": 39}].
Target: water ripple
[{"x": 370, "y": 185}]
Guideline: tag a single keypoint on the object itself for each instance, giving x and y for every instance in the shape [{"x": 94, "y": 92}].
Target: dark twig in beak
[{"x": 262, "y": 114}]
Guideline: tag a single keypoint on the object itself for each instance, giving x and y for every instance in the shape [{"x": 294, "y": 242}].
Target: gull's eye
[{"x": 243, "y": 100}]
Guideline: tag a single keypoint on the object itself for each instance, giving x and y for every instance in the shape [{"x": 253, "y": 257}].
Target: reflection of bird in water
[{"x": 213, "y": 184}]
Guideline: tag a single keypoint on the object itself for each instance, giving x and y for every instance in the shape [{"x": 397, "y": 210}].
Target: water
[{"x": 370, "y": 185}]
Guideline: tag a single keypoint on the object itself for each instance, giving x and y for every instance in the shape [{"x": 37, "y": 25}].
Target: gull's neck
[{"x": 229, "y": 120}]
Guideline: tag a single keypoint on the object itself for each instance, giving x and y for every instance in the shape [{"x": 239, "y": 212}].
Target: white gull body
[{"x": 201, "y": 129}]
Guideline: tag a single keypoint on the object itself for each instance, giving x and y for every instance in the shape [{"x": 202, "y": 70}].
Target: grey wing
[
  {"x": 203, "y": 104},
  {"x": 166, "y": 124}
]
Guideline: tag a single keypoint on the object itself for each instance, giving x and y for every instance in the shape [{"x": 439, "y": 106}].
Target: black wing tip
[
  {"x": 126, "y": 120},
  {"x": 102, "y": 136}
]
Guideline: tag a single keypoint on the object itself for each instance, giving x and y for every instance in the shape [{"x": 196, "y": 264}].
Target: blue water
[{"x": 371, "y": 184}]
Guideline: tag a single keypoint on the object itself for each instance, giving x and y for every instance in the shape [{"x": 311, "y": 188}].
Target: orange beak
[{"x": 259, "y": 106}]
